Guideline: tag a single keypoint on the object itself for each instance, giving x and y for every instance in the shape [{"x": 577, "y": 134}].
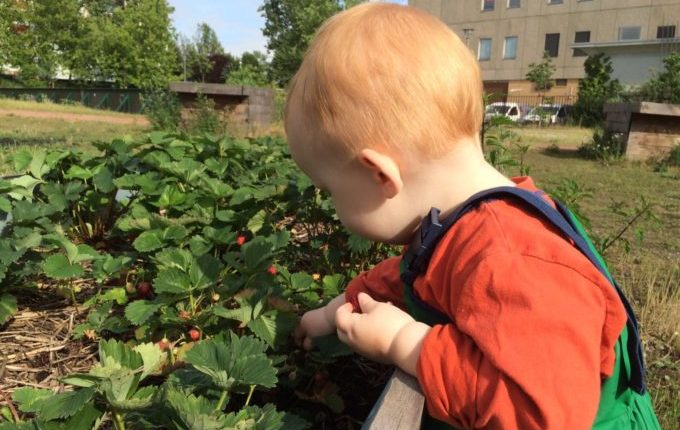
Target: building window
[
  {"x": 555, "y": 2},
  {"x": 484, "y": 49},
  {"x": 581, "y": 37},
  {"x": 510, "y": 48},
  {"x": 552, "y": 44},
  {"x": 629, "y": 33},
  {"x": 488, "y": 4},
  {"x": 514, "y": 4},
  {"x": 665, "y": 32},
  {"x": 560, "y": 82}
]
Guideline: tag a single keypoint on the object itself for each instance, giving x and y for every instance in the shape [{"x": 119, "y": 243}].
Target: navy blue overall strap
[{"x": 433, "y": 229}]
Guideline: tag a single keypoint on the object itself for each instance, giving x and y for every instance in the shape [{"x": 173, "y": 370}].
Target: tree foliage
[
  {"x": 252, "y": 70},
  {"x": 665, "y": 86},
  {"x": 595, "y": 90},
  {"x": 540, "y": 74},
  {"x": 289, "y": 27},
  {"x": 128, "y": 43}
]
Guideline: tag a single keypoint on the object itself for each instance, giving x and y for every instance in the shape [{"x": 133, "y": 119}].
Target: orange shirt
[{"x": 533, "y": 322}]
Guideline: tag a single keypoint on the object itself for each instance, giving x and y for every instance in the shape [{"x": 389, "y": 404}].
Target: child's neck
[{"x": 447, "y": 182}]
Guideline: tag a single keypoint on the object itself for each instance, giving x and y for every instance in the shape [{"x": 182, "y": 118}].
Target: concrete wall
[
  {"x": 650, "y": 130},
  {"x": 248, "y": 108}
]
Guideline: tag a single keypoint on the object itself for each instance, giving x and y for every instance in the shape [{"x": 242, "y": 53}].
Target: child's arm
[{"x": 382, "y": 332}]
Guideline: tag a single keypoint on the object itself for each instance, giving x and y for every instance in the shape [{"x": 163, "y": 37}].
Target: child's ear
[{"x": 384, "y": 171}]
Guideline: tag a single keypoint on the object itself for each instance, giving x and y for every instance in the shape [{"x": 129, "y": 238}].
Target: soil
[{"x": 74, "y": 117}]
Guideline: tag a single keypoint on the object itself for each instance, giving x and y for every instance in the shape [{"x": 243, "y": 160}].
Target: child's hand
[
  {"x": 318, "y": 322},
  {"x": 381, "y": 332}
]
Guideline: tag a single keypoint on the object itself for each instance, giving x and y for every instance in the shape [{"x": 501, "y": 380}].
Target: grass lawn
[
  {"x": 47, "y": 106},
  {"x": 562, "y": 136},
  {"x": 18, "y": 133}
]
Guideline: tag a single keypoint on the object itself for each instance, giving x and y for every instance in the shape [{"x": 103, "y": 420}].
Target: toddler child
[{"x": 502, "y": 319}]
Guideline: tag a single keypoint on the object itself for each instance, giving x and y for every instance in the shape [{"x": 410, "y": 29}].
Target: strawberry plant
[
  {"x": 193, "y": 397},
  {"x": 193, "y": 249}
]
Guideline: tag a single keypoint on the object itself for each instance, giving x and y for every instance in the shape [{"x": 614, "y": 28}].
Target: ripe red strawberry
[
  {"x": 272, "y": 270},
  {"x": 143, "y": 289},
  {"x": 240, "y": 240},
  {"x": 194, "y": 334}
]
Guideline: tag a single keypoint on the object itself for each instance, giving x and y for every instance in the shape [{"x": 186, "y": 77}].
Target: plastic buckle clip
[{"x": 424, "y": 242}]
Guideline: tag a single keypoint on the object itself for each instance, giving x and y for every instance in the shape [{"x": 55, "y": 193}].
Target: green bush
[
  {"x": 665, "y": 86},
  {"x": 673, "y": 158},
  {"x": 605, "y": 147},
  {"x": 204, "y": 118},
  {"x": 163, "y": 109}
]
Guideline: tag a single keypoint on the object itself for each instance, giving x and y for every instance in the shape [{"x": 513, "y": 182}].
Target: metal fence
[
  {"x": 118, "y": 100},
  {"x": 532, "y": 100}
]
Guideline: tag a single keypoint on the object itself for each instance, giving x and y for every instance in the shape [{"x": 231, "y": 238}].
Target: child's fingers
[
  {"x": 343, "y": 317},
  {"x": 307, "y": 343},
  {"x": 366, "y": 302}
]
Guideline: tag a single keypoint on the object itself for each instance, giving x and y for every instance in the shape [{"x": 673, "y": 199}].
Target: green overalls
[{"x": 624, "y": 401}]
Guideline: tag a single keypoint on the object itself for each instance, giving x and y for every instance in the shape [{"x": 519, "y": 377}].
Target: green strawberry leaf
[
  {"x": 193, "y": 413},
  {"x": 256, "y": 223},
  {"x": 148, "y": 241},
  {"x": 8, "y": 307},
  {"x": 58, "y": 267},
  {"x": 152, "y": 357},
  {"x": 139, "y": 311},
  {"x": 233, "y": 362},
  {"x": 204, "y": 272},
  {"x": 64, "y": 405},
  {"x": 172, "y": 281},
  {"x": 273, "y": 327},
  {"x": 28, "y": 398}
]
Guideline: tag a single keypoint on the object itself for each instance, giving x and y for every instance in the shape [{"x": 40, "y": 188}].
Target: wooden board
[{"x": 400, "y": 406}]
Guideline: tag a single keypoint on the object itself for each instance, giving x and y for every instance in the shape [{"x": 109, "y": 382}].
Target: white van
[{"x": 513, "y": 111}]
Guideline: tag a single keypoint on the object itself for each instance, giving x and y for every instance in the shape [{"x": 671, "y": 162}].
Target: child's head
[{"x": 387, "y": 79}]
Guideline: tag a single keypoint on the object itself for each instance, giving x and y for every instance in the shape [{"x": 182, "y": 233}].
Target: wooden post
[{"x": 400, "y": 406}]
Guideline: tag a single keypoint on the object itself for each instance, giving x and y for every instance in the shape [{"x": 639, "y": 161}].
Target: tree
[
  {"x": 205, "y": 55},
  {"x": 595, "y": 90},
  {"x": 252, "y": 70},
  {"x": 541, "y": 74},
  {"x": 129, "y": 42},
  {"x": 45, "y": 36},
  {"x": 289, "y": 27},
  {"x": 10, "y": 27},
  {"x": 665, "y": 86}
]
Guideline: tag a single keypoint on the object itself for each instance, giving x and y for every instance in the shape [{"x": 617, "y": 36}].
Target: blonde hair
[{"x": 384, "y": 75}]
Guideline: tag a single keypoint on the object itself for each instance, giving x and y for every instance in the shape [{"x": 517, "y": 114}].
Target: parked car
[
  {"x": 548, "y": 114},
  {"x": 513, "y": 111}
]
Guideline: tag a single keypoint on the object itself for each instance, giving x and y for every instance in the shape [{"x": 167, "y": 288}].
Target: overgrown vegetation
[
  {"x": 605, "y": 146},
  {"x": 595, "y": 90},
  {"x": 664, "y": 87}
]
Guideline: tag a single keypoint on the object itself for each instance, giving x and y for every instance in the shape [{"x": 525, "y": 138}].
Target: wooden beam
[
  {"x": 400, "y": 406},
  {"x": 198, "y": 87}
]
